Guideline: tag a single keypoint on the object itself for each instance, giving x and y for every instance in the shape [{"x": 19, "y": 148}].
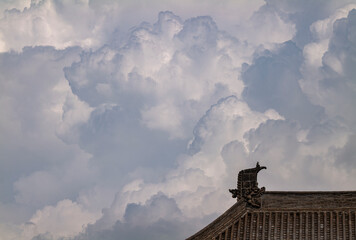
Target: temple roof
[
  {"x": 260, "y": 214},
  {"x": 301, "y": 215}
]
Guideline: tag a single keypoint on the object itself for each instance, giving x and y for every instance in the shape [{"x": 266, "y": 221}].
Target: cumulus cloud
[
  {"x": 66, "y": 219},
  {"x": 272, "y": 82},
  {"x": 189, "y": 64},
  {"x": 199, "y": 180},
  {"x": 49, "y": 23},
  {"x": 28, "y": 141},
  {"x": 158, "y": 218},
  {"x": 336, "y": 74},
  {"x": 36, "y": 166},
  {"x": 89, "y": 24},
  {"x": 268, "y": 26},
  {"x": 315, "y": 131},
  {"x": 131, "y": 125},
  {"x": 309, "y": 158}
]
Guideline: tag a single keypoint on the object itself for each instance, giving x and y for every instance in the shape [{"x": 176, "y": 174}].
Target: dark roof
[
  {"x": 258, "y": 214},
  {"x": 287, "y": 215}
]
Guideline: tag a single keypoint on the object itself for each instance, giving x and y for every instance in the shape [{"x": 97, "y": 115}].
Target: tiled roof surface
[
  {"x": 292, "y": 225},
  {"x": 288, "y": 215}
]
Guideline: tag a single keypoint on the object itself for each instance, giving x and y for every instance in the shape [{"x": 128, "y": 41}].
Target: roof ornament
[{"x": 247, "y": 187}]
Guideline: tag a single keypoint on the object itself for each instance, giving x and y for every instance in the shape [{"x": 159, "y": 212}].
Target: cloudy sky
[{"x": 130, "y": 119}]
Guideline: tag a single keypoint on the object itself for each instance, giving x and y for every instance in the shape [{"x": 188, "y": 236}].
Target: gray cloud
[
  {"x": 158, "y": 218},
  {"x": 272, "y": 82},
  {"x": 27, "y": 142}
]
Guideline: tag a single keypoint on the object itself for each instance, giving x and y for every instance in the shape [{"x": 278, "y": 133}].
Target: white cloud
[
  {"x": 267, "y": 27},
  {"x": 333, "y": 77},
  {"x": 323, "y": 29},
  {"x": 37, "y": 167},
  {"x": 31, "y": 99},
  {"x": 200, "y": 179},
  {"x": 164, "y": 117},
  {"x": 303, "y": 165},
  {"x": 89, "y": 24},
  {"x": 66, "y": 219},
  {"x": 164, "y": 114},
  {"x": 45, "y": 187},
  {"x": 74, "y": 112},
  {"x": 175, "y": 71},
  {"x": 49, "y": 23},
  {"x": 158, "y": 218}
]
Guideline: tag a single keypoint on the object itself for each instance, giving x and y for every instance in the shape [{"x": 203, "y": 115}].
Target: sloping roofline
[
  {"x": 282, "y": 201},
  {"x": 254, "y": 200}
]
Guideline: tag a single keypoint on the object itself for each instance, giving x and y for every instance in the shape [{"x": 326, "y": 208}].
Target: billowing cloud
[
  {"x": 334, "y": 76},
  {"x": 28, "y": 128},
  {"x": 199, "y": 179},
  {"x": 272, "y": 82},
  {"x": 189, "y": 65},
  {"x": 66, "y": 219},
  {"x": 89, "y": 24},
  {"x": 34, "y": 161},
  {"x": 128, "y": 121},
  {"x": 158, "y": 218}
]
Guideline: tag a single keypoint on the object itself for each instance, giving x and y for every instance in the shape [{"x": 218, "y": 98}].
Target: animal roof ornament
[{"x": 247, "y": 187}]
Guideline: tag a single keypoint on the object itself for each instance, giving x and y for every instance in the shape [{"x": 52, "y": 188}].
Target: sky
[{"x": 131, "y": 119}]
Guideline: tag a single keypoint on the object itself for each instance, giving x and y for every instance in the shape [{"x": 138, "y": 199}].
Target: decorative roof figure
[{"x": 247, "y": 187}]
